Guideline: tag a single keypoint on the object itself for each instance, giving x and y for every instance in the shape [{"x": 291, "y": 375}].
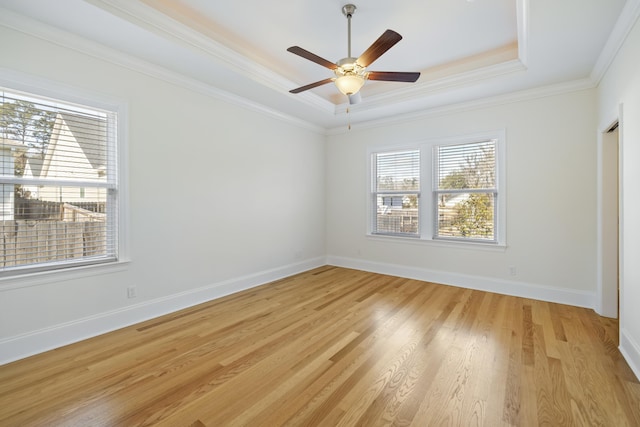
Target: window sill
[
  {"x": 71, "y": 273},
  {"x": 474, "y": 246}
]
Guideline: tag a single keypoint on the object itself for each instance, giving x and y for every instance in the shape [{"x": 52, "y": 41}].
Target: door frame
[{"x": 608, "y": 294}]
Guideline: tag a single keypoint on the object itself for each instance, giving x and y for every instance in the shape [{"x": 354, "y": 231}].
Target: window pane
[
  {"x": 398, "y": 171},
  {"x": 396, "y": 185},
  {"x": 51, "y": 141},
  {"x": 464, "y": 166},
  {"x": 396, "y": 214},
  {"x": 52, "y": 224},
  {"x": 468, "y": 215}
]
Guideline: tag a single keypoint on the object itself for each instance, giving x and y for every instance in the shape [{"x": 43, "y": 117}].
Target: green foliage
[
  {"x": 385, "y": 183},
  {"x": 410, "y": 201},
  {"x": 389, "y": 183},
  {"x": 23, "y": 121},
  {"x": 474, "y": 216},
  {"x": 454, "y": 180},
  {"x": 476, "y": 170}
]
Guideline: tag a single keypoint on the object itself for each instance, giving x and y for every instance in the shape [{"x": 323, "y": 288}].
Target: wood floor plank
[
  {"x": 489, "y": 390},
  {"x": 340, "y": 347},
  {"x": 381, "y": 397},
  {"x": 511, "y": 410}
]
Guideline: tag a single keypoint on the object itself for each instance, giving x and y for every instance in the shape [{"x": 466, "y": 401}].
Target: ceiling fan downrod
[{"x": 348, "y": 10}]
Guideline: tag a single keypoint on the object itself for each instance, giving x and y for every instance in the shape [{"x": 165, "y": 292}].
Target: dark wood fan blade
[
  {"x": 312, "y": 57},
  {"x": 393, "y": 76},
  {"x": 380, "y": 46},
  {"x": 311, "y": 85}
]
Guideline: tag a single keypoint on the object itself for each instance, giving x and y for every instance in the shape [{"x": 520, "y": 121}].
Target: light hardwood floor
[{"x": 337, "y": 347}]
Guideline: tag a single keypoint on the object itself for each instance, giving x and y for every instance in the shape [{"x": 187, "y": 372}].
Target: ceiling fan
[{"x": 351, "y": 73}]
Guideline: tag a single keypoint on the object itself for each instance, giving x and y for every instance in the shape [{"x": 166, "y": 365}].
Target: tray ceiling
[{"x": 465, "y": 50}]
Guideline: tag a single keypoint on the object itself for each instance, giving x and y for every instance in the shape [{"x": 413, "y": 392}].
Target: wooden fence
[
  {"x": 35, "y": 209},
  {"x": 397, "y": 222},
  {"x": 28, "y": 242}
]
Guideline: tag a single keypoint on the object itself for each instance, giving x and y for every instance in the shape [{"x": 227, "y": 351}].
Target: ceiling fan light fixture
[
  {"x": 350, "y": 76},
  {"x": 349, "y": 84}
]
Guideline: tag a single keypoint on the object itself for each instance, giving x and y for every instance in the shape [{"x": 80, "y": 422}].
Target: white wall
[
  {"x": 618, "y": 91},
  {"x": 221, "y": 198},
  {"x": 551, "y": 202}
]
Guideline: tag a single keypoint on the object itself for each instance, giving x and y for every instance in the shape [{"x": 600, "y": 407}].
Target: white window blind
[
  {"x": 396, "y": 193},
  {"x": 58, "y": 183},
  {"x": 465, "y": 191}
]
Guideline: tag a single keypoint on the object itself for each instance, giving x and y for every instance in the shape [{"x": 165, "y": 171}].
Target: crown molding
[
  {"x": 627, "y": 19},
  {"x": 486, "y": 102},
  {"x": 65, "y": 39},
  {"x": 153, "y": 20}
]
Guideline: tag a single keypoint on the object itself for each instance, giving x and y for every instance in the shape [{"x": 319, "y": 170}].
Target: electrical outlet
[
  {"x": 132, "y": 292},
  {"x": 513, "y": 271}
]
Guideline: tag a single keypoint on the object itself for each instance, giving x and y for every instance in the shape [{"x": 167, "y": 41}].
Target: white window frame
[
  {"x": 20, "y": 82},
  {"x": 375, "y": 192},
  {"x": 428, "y": 219}
]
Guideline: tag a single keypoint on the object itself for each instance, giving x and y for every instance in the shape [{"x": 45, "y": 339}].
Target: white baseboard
[
  {"x": 630, "y": 351},
  {"x": 24, "y": 345},
  {"x": 488, "y": 284}
]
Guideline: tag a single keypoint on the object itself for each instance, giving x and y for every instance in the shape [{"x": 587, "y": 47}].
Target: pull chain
[{"x": 348, "y": 119}]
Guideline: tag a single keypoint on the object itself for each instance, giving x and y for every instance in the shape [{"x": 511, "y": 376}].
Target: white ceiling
[{"x": 465, "y": 49}]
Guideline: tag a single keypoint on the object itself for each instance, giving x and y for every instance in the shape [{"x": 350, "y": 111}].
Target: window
[
  {"x": 465, "y": 177},
  {"x": 396, "y": 193},
  {"x": 465, "y": 190},
  {"x": 59, "y": 184}
]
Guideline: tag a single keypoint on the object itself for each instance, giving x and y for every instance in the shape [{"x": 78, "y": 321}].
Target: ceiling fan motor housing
[{"x": 350, "y": 67}]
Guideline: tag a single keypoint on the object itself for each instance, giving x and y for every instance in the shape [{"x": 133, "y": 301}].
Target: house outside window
[
  {"x": 59, "y": 184},
  {"x": 466, "y": 179}
]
